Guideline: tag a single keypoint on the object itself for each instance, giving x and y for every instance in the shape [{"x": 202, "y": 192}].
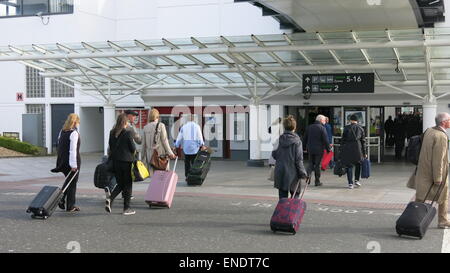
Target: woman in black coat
[
  {"x": 289, "y": 166},
  {"x": 353, "y": 150},
  {"x": 122, "y": 151}
]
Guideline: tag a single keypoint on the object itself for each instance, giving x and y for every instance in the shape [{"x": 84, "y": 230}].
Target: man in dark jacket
[
  {"x": 316, "y": 140},
  {"x": 289, "y": 160}
]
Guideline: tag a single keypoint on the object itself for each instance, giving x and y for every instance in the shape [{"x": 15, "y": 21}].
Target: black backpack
[{"x": 413, "y": 149}]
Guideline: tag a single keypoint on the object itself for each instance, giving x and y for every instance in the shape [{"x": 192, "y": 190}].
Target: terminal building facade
[{"x": 236, "y": 65}]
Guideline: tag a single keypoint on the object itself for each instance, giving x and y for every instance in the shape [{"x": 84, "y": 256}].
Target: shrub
[{"x": 18, "y": 146}]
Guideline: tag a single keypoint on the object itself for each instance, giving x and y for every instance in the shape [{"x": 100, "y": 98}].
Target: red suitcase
[{"x": 289, "y": 212}]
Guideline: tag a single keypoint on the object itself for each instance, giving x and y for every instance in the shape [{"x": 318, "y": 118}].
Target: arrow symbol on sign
[
  {"x": 307, "y": 79},
  {"x": 307, "y": 88}
]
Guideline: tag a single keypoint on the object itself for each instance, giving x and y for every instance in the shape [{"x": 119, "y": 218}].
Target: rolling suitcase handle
[
  {"x": 307, "y": 181},
  {"x": 175, "y": 165},
  {"x": 70, "y": 182},
  {"x": 438, "y": 193}
]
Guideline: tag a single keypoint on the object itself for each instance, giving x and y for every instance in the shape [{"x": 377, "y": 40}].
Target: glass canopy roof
[{"x": 397, "y": 57}]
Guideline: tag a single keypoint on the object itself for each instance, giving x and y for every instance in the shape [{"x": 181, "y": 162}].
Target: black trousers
[
  {"x": 188, "y": 162},
  {"x": 70, "y": 193},
  {"x": 314, "y": 165},
  {"x": 293, "y": 187},
  {"x": 122, "y": 171},
  {"x": 399, "y": 145}
]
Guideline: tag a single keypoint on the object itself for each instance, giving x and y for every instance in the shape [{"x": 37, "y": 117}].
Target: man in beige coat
[{"x": 432, "y": 169}]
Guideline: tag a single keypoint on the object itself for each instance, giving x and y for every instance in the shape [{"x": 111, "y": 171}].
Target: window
[
  {"x": 35, "y": 84},
  {"x": 12, "y": 8},
  {"x": 59, "y": 90},
  {"x": 38, "y": 109}
]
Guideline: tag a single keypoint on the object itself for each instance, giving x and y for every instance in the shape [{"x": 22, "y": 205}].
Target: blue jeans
[{"x": 350, "y": 173}]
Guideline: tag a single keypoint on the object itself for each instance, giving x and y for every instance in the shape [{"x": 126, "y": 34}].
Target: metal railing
[{"x": 369, "y": 144}]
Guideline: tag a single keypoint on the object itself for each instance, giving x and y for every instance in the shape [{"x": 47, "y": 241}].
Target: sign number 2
[
  {"x": 374, "y": 246},
  {"x": 74, "y": 246}
]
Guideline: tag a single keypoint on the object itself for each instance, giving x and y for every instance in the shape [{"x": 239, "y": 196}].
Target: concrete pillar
[
  {"x": 429, "y": 112},
  {"x": 255, "y": 119},
  {"x": 109, "y": 119},
  {"x": 48, "y": 128}
]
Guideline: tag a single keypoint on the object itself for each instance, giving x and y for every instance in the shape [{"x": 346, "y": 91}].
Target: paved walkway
[
  {"x": 229, "y": 213},
  {"x": 384, "y": 189}
]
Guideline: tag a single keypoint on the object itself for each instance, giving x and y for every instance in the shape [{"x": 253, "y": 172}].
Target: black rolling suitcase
[
  {"x": 45, "y": 202},
  {"x": 104, "y": 176},
  {"x": 416, "y": 218},
  {"x": 199, "y": 169}
]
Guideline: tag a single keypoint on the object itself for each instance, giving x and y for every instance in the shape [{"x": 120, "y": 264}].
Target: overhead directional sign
[{"x": 339, "y": 83}]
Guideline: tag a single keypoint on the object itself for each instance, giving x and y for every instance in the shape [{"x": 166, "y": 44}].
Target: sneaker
[
  {"x": 357, "y": 184},
  {"x": 74, "y": 209},
  {"x": 350, "y": 186},
  {"x": 108, "y": 205},
  {"x": 129, "y": 212}
]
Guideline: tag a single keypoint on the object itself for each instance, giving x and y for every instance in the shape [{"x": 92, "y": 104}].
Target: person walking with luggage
[
  {"x": 122, "y": 149},
  {"x": 190, "y": 138},
  {"x": 155, "y": 139},
  {"x": 330, "y": 138},
  {"x": 289, "y": 166},
  {"x": 131, "y": 117},
  {"x": 69, "y": 161},
  {"x": 278, "y": 131},
  {"x": 316, "y": 140},
  {"x": 431, "y": 175},
  {"x": 353, "y": 150}
]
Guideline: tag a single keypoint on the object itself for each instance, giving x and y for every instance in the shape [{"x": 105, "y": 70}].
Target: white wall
[
  {"x": 102, "y": 20},
  {"x": 10, "y": 110},
  {"x": 91, "y": 129}
]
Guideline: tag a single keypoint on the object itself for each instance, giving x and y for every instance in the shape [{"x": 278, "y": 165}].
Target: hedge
[{"x": 18, "y": 146}]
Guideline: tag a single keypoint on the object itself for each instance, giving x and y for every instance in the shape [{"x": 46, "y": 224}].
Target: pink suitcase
[{"x": 162, "y": 188}]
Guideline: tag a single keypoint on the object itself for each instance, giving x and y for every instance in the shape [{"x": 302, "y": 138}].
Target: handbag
[
  {"x": 158, "y": 162},
  {"x": 339, "y": 169},
  {"x": 327, "y": 156},
  {"x": 138, "y": 171}
]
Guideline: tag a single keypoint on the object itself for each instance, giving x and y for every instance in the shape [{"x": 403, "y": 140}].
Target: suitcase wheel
[
  {"x": 273, "y": 229},
  {"x": 45, "y": 217}
]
